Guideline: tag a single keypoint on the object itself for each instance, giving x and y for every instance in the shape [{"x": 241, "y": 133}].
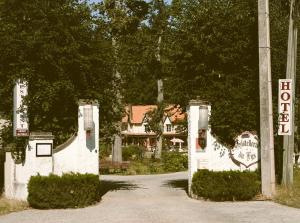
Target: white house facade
[{"x": 135, "y": 127}]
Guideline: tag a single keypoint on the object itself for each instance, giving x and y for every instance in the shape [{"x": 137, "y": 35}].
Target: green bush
[
  {"x": 225, "y": 185},
  {"x": 174, "y": 161},
  {"x": 132, "y": 152},
  {"x": 104, "y": 151},
  {"x": 66, "y": 191},
  {"x": 145, "y": 167}
]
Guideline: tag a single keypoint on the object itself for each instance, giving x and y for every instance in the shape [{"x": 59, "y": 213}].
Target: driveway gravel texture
[{"x": 158, "y": 199}]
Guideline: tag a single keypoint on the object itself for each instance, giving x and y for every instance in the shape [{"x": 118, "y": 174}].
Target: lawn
[
  {"x": 170, "y": 162},
  {"x": 7, "y": 206},
  {"x": 292, "y": 197}
]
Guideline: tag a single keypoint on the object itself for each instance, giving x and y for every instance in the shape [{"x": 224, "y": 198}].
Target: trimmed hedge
[
  {"x": 225, "y": 185},
  {"x": 66, "y": 191}
]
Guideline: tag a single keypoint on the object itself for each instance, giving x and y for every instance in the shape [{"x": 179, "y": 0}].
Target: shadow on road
[
  {"x": 181, "y": 184},
  {"x": 107, "y": 185}
]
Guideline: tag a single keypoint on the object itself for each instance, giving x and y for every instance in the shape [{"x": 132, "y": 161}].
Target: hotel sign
[
  {"x": 285, "y": 107},
  {"x": 20, "y": 127}
]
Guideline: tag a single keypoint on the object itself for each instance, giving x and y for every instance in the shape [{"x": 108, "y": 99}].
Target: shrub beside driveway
[{"x": 225, "y": 185}]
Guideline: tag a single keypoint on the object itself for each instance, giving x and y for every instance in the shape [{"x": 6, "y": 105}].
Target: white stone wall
[
  {"x": 80, "y": 156},
  {"x": 18, "y": 175},
  {"x": 214, "y": 157},
  {"x": 66, "y": 159}
]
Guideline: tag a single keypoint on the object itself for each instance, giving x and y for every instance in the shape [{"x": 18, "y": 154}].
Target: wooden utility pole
[
  {"x": 265, "y": 93},
  {"x": 289, "y": 140}
]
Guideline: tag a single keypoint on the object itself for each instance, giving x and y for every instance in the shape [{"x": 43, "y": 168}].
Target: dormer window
[{"x": 169, "y": 127}]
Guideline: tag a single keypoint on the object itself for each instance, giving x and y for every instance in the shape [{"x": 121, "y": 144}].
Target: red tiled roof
[
  {"x": 174, "y": 112},
  {"x": 136, "y": 113}
]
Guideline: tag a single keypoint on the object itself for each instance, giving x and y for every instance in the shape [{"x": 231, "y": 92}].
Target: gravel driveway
[{"x": 158, "y": 199}]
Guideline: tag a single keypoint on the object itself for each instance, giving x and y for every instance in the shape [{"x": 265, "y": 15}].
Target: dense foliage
[
  {"x": 208, "y": 49},
  {"x": 174, "y": 161},
  {"x": 225, "y": 185},
  {"x": 56, "y": 47},
  {"x": 132, "y": 152},
  {"x": 67, "y": 191}
]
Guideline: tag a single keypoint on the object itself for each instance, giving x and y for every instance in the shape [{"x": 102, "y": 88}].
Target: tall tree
[
  {"x": 122, "y": 18},
  {"x": 289, "y": 145},
  {"x": 52, "y": 44},
  {"x": 159, "y": 20},
  {"x": 213, "y": 47}
]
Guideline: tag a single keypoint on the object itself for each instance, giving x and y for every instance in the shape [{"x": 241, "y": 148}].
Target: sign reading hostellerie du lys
[
  {"x": 245, "y": 151},
  {"x": 285, "y": 107}
]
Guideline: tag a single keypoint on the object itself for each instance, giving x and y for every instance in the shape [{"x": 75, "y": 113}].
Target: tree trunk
[
  {"x": 117, "y": 140},
  {"x": 117, "y": 149},
  {"x": 160, "y": 98},
  {"x": 289, "y": 140}
]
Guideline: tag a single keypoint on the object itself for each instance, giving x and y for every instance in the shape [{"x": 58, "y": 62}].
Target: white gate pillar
[{"x": 196, "y": 130}]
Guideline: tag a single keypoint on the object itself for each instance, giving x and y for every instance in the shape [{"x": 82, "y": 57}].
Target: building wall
[
  {"x": 140, "y": 128},
  {"x": 214, "y": 157},
  {"x": 18, "y": 175},
  {"x": 137, "y": 128},
  {"x": 80, "y": 156}
]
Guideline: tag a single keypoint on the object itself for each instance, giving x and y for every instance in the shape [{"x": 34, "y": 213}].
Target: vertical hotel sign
[
  {"x": 20, "y": 126},
  {"x": 285, "y": 101}
]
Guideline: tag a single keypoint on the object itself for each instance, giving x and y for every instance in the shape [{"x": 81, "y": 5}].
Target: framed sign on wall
[{"x": 43, "y": 149}]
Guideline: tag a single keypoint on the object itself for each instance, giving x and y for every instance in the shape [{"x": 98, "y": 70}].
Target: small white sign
[
  {"x": 20, "y": 127},
  {"x": 285, "y": 107},
  {"x": 245, "y": 151},
  {"x": 43, "y": 149}
]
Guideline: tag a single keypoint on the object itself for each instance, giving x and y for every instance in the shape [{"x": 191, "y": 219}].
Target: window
[
  {"x": 169, "y": 127},
  {"x": 147, "y": 128}
]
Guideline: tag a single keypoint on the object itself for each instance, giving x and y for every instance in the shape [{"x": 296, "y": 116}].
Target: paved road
[{"x": 158, "y": 199}]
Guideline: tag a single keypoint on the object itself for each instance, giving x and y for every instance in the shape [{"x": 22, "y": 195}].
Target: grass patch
[
  {"x": 290, "y": 197},
  {"x": 141, "y": 167},
  {"x": 170, "y": 162},
  {"x": 7, "y": 205}
]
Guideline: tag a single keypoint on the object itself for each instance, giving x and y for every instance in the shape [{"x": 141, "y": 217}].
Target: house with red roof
[{"x": 135, "y": 127}]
